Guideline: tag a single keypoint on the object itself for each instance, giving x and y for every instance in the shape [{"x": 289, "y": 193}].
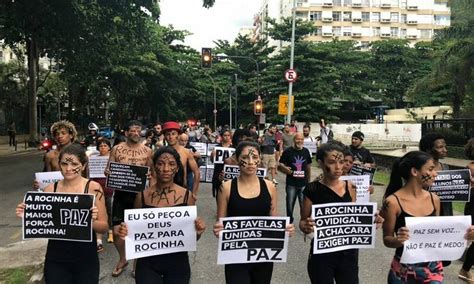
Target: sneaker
[
  {"x": 465, "y": 275},
  {"x": 275, "y": 181}
]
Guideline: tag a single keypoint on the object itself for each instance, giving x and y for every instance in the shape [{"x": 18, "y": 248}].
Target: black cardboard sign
[
  {"x": 127, "y": 177},
  {"x": 58, "y": 216}
]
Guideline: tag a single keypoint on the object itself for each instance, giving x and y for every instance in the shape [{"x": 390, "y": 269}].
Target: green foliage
[{"x": 282, "y": 30}]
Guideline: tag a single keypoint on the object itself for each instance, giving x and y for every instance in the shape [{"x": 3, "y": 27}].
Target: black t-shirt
[
  {"x": 297, "y": 160},
  {"x": 362, "y": 155}
]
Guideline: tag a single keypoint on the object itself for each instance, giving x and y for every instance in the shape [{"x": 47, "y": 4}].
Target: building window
[
  {"x": 403, "y": 33},
  {"x": 346, "y": 31},
  {"x": 375, "y": 3},
  {"x": 394, "y": 17},
  {"x": 375, "y": 16},
  {"x": 347, "y": 3},
  {"x": 347, "y": 16},
  {"x": 336, "y": 3},
  {"x": 318, "y": 31},
  {"x": 394, "y": 32},
  {"x": 365, "y": 3},
  {"x": 365, "y": 17},
  {"x": 425, "y": 34},
  {"x": 375, "y": 31},
  {"x": 403, "y": 4},
  {"x": 336, "y": 31},
  {"x": 403, "y": 18},
  {"x": 336, "y": 16},
  {"x": 441, "y": 20},
  {"x": 315, "y": 16}
]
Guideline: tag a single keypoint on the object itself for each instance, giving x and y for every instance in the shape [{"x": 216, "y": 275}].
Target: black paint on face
[
  {"x": 425, "y": 178},
  {"x": 338, "y": 156}
]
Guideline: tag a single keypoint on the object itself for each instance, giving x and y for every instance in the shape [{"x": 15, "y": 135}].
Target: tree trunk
[{"x": 33, "y": 57}]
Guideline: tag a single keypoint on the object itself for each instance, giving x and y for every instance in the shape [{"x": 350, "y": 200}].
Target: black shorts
[{"x": 122, "y": 200}]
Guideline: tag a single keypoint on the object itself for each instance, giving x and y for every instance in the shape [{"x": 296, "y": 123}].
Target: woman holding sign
[
  {"x": 171, "y": 267},
  {"x": 411, "y": 199},
  {"x": 341, "y": 266},
  {"x": 104, "y": 147},
  {"x": 69, "y": 261},
  {"x": 247, "y": 195}
]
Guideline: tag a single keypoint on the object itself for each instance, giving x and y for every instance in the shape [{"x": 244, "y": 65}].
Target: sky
[{"x": 222, "y": 21}]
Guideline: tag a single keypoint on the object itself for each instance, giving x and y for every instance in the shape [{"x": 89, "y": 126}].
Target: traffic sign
[
  {"x": 283, "y": 104},
  {"x": 290, "y": 75}
]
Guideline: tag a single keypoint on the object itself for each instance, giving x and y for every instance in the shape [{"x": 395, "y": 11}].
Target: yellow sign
[{"x": 283, "y": 105}]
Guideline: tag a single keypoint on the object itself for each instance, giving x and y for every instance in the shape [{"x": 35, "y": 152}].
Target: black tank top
[
  {"x": 185, "y": 202},
  {"x": 257, "y": 206},
  {"x": 320, "y": 193},
  {"x": 400, "y": 222},
  {"x": 71, "y": 251}
]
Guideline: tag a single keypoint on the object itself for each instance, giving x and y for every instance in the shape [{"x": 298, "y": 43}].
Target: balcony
[
  {"x": 385, "y": 20},
  {"x": 327, "y": 4},
  {"x": 326, "y": 20},
  {"x": 412, "y": 8},
  {"x": 385, "y": 5},
  {"x": 356, "y": 20}
]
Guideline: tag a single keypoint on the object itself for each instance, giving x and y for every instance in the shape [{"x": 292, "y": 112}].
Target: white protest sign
[
  {"x": 210, "y": 148},
  {"x": 233, "y": 171},
  {"x": 97, "y": 165},
  {"x": 222, "y": 153},
  {"x": 253, "y": 239},
  {"x": 201, "y": 147},
  {"x": 435, "y": 238},
  {"x": 362, "y": 184},
  {"x": 155, "y": 231},
  {"x": 310, "y": 145},
  {"x": 344, "y": 225},
  {"x": 45, "y": 178}
]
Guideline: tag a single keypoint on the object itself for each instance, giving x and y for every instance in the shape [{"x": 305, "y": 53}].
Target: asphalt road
[{"x": 16, "y": 174}]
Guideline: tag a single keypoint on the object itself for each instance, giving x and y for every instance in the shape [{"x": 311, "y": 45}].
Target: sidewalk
[
  {"x": 6, "y": 150},
  {"x": 457, "y": 163}
]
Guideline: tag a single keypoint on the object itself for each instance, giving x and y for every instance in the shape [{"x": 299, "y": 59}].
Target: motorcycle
[{"x": 47, "y": 145}]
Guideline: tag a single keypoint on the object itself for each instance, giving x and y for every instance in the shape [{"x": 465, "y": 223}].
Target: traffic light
[
  {"x": 206, "y": 57},
  {"x": 258, "y": 107}
]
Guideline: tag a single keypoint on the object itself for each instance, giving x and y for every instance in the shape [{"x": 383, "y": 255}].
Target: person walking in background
[
  {"x": 269, "y": 144},
  {"x": 11, "y": 134},
  {"x": 434, "y": 145},
  {"x": 360, "y": 153},
  {"x": 325, "y": 134},
  {"x": 295, "y": 163}
]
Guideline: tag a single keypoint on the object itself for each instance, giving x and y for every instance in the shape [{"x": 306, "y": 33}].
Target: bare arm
[
  {"x": 307, "y": 173},
  {"x": 306, "y": 222},
  {"x": 274, "y": 195},
  {"x": 390, "y": 211},
  {"x": 222, "y": 202},
  {"x": 100, "y": 224},
  {"x": 197, "y": 174}
]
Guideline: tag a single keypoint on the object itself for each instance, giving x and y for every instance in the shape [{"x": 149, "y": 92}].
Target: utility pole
[{"x": 290, "y": 85}]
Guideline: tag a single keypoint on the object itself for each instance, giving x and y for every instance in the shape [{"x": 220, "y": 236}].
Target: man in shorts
[
  {"x": 131, "y": 152},
  {"x": 269, "y": 143}
]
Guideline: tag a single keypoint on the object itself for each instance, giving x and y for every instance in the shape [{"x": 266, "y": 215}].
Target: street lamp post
[
  {"x": 292, "y": 56},
  {"x": 221, "y": 56},
  {"x": 215, "y": 103}
]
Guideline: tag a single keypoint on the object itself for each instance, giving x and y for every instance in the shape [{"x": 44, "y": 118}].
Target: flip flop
[
  {"x": 118, "y": 270},
  {"x": 469, "y": 280}
]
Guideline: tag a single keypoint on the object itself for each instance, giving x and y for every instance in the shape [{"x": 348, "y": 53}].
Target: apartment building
[{"x": 365, "y": 20}]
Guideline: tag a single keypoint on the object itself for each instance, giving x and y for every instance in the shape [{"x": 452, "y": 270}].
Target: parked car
[{"x": 106, "y": 132}]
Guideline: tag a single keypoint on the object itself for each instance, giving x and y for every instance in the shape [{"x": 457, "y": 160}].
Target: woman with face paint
[
  {"x": 104, "y": 147},
  {"x": 339, "y": 266},
  {"x": 410, "y": 199},
  {"x": 247, "y": 195},
  {"x": 171, "y": 267},
  {"x": 68, "y": 261}
]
